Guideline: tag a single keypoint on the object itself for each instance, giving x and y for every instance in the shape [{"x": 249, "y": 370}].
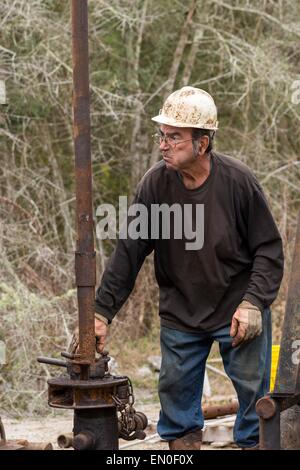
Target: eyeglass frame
[{"x": 166, "y": 138}]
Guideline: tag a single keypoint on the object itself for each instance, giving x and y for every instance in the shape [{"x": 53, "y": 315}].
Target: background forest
[{"x": 244, "y": 52}]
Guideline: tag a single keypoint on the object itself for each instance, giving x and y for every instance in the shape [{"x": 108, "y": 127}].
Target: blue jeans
[{"x": 182, "y": 374}]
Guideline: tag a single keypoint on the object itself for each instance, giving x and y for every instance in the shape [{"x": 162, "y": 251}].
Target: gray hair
[{"x": 197, "y": 133}]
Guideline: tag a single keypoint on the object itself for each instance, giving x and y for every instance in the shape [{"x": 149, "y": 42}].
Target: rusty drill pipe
[
  {"x": 93, "y": 428},
  {"x": 64, "y": 441},
  {"x": 23, "y": 444},
  {"x": 214, "y": 411},
  {"x": 38, "y": 446},
  {"x": 85, "y": 266}
]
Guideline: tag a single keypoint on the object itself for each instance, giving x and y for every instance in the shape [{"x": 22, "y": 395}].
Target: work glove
[
  {"x": 101, "y": 327},
  {"x": 246, "y": 323}
]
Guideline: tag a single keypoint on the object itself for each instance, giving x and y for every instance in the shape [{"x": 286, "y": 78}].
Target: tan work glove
[
  {"x": 101, "y": 327},
  {"x": 246, "y": 323}
]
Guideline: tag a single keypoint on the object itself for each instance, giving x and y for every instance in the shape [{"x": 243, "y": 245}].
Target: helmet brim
[{"x": 161, "y": 119}]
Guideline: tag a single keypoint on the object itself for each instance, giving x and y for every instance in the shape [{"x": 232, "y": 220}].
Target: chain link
[{"x": 126, "y": 411}]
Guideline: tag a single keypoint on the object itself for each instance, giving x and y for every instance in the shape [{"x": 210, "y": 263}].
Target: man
[{"x": 219, "y": 291}]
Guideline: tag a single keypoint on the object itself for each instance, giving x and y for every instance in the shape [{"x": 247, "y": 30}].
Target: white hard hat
[{"x": 189, "y": 107}]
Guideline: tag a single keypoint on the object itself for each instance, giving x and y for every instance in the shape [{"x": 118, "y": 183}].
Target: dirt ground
[{"x": 47, "y": 429}]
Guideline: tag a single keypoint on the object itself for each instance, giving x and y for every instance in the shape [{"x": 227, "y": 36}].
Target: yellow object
[{"x": 274, "y": 363}]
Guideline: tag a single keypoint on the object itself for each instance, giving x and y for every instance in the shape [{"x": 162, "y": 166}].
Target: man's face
[{"x": 177, "y": 147}]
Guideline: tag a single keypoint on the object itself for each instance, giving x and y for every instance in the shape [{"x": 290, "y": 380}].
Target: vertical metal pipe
[
  {"x": 269, "y": 432},
  {"x": 85, "y": 255}
]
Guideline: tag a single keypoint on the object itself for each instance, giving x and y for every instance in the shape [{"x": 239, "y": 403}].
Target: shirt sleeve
[
  {"x": 121, "y": 270},
  {"x": 265, "y": 246}
]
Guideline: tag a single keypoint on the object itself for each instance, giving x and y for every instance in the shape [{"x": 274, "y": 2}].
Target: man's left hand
[{"x": 246, "y": 323}]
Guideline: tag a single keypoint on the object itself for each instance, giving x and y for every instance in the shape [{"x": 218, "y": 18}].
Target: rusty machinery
[
  {"x": 102, "y": 403},
  {"x": 275, "y": 432}
]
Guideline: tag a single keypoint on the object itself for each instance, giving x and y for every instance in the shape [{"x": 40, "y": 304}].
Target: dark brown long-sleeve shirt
[{"x": 240, "y": 255}]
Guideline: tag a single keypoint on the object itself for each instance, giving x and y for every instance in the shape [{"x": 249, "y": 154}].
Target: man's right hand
[
  {"x": 101, "y": 328},
  {"x": 100, "y": 333}
]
